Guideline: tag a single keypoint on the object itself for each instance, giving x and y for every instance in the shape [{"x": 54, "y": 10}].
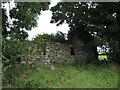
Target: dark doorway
[
  {"x": 72, "y": 51},
  {"x": 44, "y": 52}
]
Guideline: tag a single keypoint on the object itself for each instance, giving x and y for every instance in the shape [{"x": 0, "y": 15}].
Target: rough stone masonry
[
  {"x": 64, "y": 54},
  {"x": 61, "y": 53}
]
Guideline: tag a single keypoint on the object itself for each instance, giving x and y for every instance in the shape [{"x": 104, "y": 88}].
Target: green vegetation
[
  {"x": 102, "y": 57},
  {"x": 92, "y": 22},
  {"x": 39, "y": 76},
  {"x": 14, "y": 49},
  {"x": 25, "y": 15}
]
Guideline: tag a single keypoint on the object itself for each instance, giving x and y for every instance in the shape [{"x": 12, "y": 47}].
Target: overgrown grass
[
  {"x": 102, "y": 57},
  {"x": 38, "y": 76}
]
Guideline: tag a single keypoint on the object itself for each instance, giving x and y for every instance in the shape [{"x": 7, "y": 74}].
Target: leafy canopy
[
  {"x": 23, "y": 16},
  {"x": 87, "y": 19}
]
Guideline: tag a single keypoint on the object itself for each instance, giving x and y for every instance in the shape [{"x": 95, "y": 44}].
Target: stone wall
[
  {"x": 58, "y": 53},
  {"x": 64, "y": 54}
]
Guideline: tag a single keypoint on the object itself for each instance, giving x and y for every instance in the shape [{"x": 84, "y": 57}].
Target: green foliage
[
  {"x": 26, "y": 13},
  {"x": 72, "y": 13},
  {"x": 102, "y": 57},
  {"x": 97, "y": 19},
  {"x": 58, "y": 37},
  {"x": 13, "y": 50},
  {"x": 80, "y": 34},
  {"x": 41, "y": 38},
  {"x": 4, "y": 23},
  {"x": 84, "y": 76},
  {"x": 24, "y": 17}
]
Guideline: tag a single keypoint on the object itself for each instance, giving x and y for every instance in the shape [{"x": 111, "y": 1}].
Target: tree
[
  {"x": 4, "y": 23},
  {"x": 58, "y": 37},
  {"x": 75, "y": 15},
  {"x": 89, "y": 19},
  {"x": 24, "y": 17},
  {"x": 107, "y": 28}
]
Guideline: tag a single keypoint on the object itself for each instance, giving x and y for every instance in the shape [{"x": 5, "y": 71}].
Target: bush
[{"x": 14, "y": 50}]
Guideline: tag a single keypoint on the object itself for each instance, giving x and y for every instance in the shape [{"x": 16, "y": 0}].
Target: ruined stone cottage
[{"x": 63, "y": 53}]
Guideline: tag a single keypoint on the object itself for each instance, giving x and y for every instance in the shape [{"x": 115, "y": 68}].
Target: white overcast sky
[{"x": 44, "y": 25}]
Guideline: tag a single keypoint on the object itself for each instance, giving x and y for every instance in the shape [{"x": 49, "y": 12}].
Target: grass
[
  {"x": 102, "y": 57},
  {"x": 0, "y": 74},
  {"x": 38, "y": 76}
]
